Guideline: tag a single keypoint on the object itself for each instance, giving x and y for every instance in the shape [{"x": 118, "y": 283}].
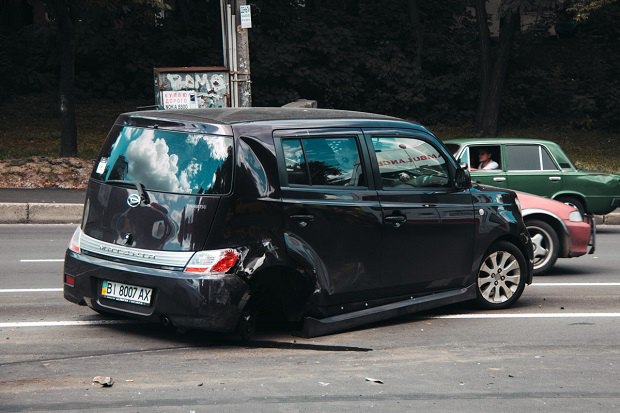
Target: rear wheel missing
[{"x": 247, "y": 324}]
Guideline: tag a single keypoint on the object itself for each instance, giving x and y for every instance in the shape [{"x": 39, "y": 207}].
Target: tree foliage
[{"x": 416, "y": 59}]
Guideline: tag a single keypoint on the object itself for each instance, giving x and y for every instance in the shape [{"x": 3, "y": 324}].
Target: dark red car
[{"x": 558, "y": 230}]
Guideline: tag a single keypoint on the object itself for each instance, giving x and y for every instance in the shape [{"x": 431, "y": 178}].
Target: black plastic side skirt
[{"x": 314, "y": 327}]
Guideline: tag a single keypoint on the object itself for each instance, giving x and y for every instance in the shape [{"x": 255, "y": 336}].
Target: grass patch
[{"x": 30, "y": 126}]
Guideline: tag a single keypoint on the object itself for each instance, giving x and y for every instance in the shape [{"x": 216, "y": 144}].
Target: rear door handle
[
  {"x": 555, "y": 178},
  {"x": 396, "y": 220},
  {"x": 499, "y": 179},
  {"x": 303, "y": 220}
]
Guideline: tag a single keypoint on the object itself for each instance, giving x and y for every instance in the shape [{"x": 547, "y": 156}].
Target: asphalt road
[{"x": 558, "y": 350}]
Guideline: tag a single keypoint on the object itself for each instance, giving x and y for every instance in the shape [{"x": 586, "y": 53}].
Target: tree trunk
[
  {"x": 66, "y": 40},
  {"x": 485, "y": 60},
  {"x": 416, "y": 21},
  {"x": 508, "y": 28}
]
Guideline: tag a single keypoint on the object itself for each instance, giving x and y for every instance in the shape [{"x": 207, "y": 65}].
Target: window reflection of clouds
[
  {"x": 218, "y": 145},
  {"x": 151, "y": 164},
  {"x": 168, "y": 160}
]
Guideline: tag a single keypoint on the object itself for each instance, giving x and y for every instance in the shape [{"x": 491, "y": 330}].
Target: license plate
[{"x": 126, "y": 292}]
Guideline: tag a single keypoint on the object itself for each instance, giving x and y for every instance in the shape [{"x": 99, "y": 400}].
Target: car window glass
[
  {"x": 409, "y": 162},
  {"x": 333, "y": 161},
  {"x": 562, "y": 159},
  {"x": 464, "y": 158},
  {"x": 295, "y": 162},
  {"x": 523, "y": 157},
  {"x": 547, "y": 161},
  {"x": 177, "y": 162},
  {"x": 485, "y": 158}
]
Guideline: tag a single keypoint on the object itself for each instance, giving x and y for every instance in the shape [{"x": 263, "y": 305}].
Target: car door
[
  {"x": 530, "y": 168},
  {"x": 332, "y": 218},
  {"x": 428, "y": 225}
]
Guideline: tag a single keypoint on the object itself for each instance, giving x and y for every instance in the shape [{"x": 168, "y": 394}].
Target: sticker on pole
[{"x": 179, "y": 99}]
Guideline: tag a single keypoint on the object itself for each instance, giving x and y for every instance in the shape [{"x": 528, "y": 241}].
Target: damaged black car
[{"x": 209, "y": 219}]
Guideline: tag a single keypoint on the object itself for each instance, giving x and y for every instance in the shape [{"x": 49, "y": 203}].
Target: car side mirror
[{"x": 462, "y": 178}]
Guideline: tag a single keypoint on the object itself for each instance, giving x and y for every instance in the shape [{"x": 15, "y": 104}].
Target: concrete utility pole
[
  {"x": 236, "y": 19},
  {"x": 243, "y": 61}
]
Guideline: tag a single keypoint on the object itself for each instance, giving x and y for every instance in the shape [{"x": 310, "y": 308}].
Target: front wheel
[
  {"x": 501, "y": 277},
  {"x": 546, "y": 245}
]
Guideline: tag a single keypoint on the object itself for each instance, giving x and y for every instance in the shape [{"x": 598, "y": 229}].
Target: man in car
[{"x": 486, "y": 161}]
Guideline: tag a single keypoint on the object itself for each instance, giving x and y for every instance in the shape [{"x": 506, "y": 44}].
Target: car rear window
[{"x": 168, "y": 161}]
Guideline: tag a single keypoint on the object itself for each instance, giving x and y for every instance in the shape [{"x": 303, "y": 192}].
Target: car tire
[
  {"x": 546, "y": 245},
  {"x": 574, "y": 202},
  {"x": 501, "y": 277}
]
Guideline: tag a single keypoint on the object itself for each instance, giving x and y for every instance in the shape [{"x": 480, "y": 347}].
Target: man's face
[{"x": 484, "y": 156}]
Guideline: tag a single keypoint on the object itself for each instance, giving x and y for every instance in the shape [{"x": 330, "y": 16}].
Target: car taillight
[
  {"x": 70, "y": 280},
  {"x": 213, "y": 261},
  {"x": 74, "y": 244}
]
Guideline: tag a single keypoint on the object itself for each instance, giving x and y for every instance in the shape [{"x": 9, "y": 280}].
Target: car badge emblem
[
  {"x": 127, "y": 238},
  {"x": 133, "y": 200}
]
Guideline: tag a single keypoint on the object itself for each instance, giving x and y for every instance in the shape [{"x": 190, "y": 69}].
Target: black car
[{"x": 209, "y": 218}]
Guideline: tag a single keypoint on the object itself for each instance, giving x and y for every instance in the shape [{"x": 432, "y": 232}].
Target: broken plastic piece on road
[
  {"x": 105, "y": 381},
  {"x": 374, "y": 380}
]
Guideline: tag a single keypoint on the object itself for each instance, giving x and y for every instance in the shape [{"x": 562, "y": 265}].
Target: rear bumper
[{"x": 185, "y": 300}]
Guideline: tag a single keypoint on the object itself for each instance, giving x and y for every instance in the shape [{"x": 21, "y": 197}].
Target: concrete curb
[
  {"x": 609, "y": 219},
  {"x": 40, "y": 213}
]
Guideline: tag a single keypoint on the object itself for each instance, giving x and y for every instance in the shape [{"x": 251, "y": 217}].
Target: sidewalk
[
  {"x": 41, "y": 206},
  {"x": 64, "y": 206}
]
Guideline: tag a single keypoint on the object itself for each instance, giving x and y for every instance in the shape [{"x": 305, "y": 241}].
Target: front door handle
[
  {"x": 396, "y": 220},
  {"x": 555, "y": 178},
  {"x": 499, "y": 179}
]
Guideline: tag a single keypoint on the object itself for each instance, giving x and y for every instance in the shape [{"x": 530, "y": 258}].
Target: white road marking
[
  {"x": 535, "y": 284},
  {"x": 65, "y": 323},
  {"x": 23, "y": 324},
  {"x": 44, "y": 260},
  {"x": 528, "y": 315},
  {"x": 30, "y": 290},
  {"x": 47, "y": 290}
]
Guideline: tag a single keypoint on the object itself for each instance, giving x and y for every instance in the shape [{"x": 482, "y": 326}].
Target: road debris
[
  {"x": 370, "y": 379},
  {"x": 105, "y": 381}
]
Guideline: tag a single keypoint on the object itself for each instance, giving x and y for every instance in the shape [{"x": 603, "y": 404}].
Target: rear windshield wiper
[{"x": 144, "y": 197}]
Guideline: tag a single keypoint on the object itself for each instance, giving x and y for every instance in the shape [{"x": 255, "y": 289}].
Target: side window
[
  {"x": 296, "y": 170},
  {"x": 323, "y": 161},
  {"x": 409, "y": 162},
  {"x": 485, "y": 158},
  {"x": 547, "y": 161},
  {"x": 524, "y": 157}
]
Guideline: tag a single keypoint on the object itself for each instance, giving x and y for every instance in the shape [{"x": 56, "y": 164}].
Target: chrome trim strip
[
  {"x": 164, "y": 258},
  {"x": 332, "y": 202}
]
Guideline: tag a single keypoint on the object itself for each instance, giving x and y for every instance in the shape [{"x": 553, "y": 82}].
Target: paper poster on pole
[{"x": 245, "y": 13}]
